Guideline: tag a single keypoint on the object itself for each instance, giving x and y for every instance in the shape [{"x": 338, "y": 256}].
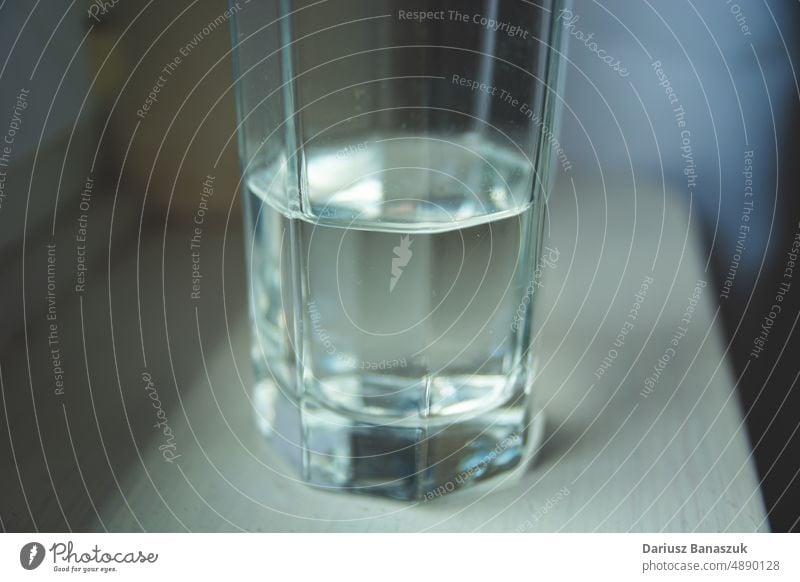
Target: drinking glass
[{"x": 395, "y": 162}]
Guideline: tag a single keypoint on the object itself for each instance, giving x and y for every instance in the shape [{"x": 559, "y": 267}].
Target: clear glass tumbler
[{"x": 395, "y": 165}]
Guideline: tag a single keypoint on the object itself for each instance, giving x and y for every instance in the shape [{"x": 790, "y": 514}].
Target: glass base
[{"x": 423, "y": 459}]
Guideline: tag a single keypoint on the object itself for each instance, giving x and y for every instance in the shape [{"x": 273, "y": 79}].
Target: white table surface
[{"x": 678, "y": 460}]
